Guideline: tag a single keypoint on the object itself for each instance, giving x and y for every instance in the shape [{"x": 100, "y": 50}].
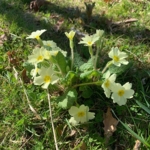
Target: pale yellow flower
[
  {"x": 38, "y": 55},
  {"x": 80, "y": 114},
  {"x": 99, "y": 33},
  {"x": 70, "y": 35},
  {"x": 108, "y": 84},
  {"x": 89, "y": 40},
  {"x": 34, "y": 71},
  {"x": 46, "y": 77},
  {"x": 36, "y": 34},
  {"x": 122, "y": 93},
  {"x": 50, "y": 44},
  {"x": 118, "y": 57}
]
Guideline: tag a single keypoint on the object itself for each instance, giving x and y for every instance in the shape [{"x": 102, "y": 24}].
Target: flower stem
[
  {"x": 107, "y": 65},
  {"x": 91, "y": 51},
  {"x": 50, "y": 113},
  {"x": 97, "y": 52},
  {"x": 72, "y": 54},
  {"x": 40, "y": 41},
  {"x": 60, "y": 70},
  {"x": 92, "y": 56}
]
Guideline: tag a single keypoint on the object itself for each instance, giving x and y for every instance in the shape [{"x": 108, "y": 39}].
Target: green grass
[{"x": 20, "y": 128}]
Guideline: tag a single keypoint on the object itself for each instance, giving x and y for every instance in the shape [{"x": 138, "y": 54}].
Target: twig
[
  {"x": 50, "y": 113},
  {"x": 125, "y": 21}
]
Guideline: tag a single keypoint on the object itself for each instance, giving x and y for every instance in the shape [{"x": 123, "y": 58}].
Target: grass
[{"x": 20, "y": 127}]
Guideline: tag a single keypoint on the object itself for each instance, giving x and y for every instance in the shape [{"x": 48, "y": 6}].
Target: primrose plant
[{"x": 51, "y": 66}]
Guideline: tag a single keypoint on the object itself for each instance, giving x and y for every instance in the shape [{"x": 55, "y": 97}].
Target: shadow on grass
[{"x": 18, "y": 13}]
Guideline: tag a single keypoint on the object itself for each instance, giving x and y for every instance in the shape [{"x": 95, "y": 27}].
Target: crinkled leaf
[
  {"x": 119, "y": 70},
  {"x": 90, "y": 74},
  {"x": 78, "y": 60},
  {"x": 28, "y": 66},
  {"x": 85, "y": 74},
  {"x": 87, "y": 66},
  {"x": 66, "y": 101}
]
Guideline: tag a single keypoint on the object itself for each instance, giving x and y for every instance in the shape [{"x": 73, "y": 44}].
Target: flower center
[
  {"x": 107, "y": 83},
  {"x": 121, "y": 92},
  {"x": 89, "y": 43},
  {"x": 70, "y": 37},
  {"x": 47, "y": 79},
  {"x": 40, "y": 58},
  {"x": 37, "y": 70},
  {"x": 37, "y": 37},
  {"x": 116, "y": 58},
  {"x": 81, "y": 114}
]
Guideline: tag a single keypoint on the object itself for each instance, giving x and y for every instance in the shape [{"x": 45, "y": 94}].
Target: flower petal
[
  {"x": 73, "y": 121},
  {"x": 107, "y": 93},
  {"x": 38, "y": 80},
  {"x": 127, "y": 85},
  {"x": 84, "y": 108},
  {"x": 122, "y": 101},
  {"x": 112, "y": 78},
  {"x": 129, "y": 93},
  {"x": 73, "y": 110},
  {"x": 45, "y": 85},
  {"x": 84, "y": 119},
  {"x": 91, "y": 115}
]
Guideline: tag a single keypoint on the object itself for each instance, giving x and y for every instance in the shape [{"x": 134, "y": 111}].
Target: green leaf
[
  {"x": 119, "y": 70},
  {"x": 87, "y": 66},
  {"x": 86, "y": 91},
  {"x": 28, "y": 66},
  {"x": 143, "y": 107},
  {"x": 70, "y": 77},
  {"x": 78, "y": 60},
  {"x": 67, "y": 100},
  {"x": 60, "y": 60},
  {"x": 90, "y": 74},
  {"x": 20, "y": 122},
  {"x": 85, "y": 74}
]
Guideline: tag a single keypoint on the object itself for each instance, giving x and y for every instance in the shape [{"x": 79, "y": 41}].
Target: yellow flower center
[
  {"x": 116, "y": 58},
  {"x": 37, "y": 37},
  {"x": 81, "y": 114},
  {"x": 40, "y": 57},
  {"x": 107, "y": 83},
  {"x": 89, "y": 43},
  {"x": 121, "y": 92},
  {"x": 70, "y": 37},
  {"x": 47, "y": 79},
  {"x": 36, "y": 70}
]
